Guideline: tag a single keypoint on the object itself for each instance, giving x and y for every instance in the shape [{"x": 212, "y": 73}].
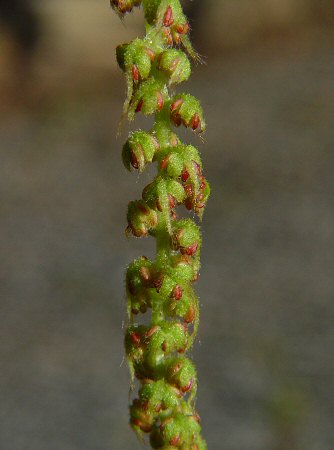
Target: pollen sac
[
  {"x": 175, "y": 64},
  {"x": 139, "y": 150},
  {"x": 139, "y": 280},
  {"x": 186, "y": 109},
  {"x": 149, "y": 98},
  {"x": 141, "y": 218},
  {"x": 124, "y": 6},
  {"x": 186, "y": 237},
  {"x": 135, "y": 58},
  {"x": 181, "y": 373}
]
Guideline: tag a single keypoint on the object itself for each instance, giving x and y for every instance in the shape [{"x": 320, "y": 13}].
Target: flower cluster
[{"x": 165, "y": 407}]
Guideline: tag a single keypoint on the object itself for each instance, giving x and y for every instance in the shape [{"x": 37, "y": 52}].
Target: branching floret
[{"x": 163, "y": 287}]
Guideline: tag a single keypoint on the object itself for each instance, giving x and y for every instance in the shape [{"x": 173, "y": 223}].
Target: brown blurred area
[{"x": 264, "y": 352}]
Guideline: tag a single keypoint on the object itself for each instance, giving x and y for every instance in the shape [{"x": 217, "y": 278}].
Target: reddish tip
[
  {"x": 135, "y": 73},
  {"x": 139, "y": 105},
  {"x": 160, "y": 101},
  {"x": 168, "y": 17},
  {"x": 175, "y": 440},
  {"x": 196, "y": 121},
  {"x": 188, "y": 386},
  {"x": 185, "y": 175},
  {"x": 177, "y": 293},
  {"x": 192, "y": 249}
]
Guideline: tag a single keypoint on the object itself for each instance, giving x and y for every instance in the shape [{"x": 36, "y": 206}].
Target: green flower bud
[
  {"x": 141, "y": 218},
  {"x": 181, "y": 373},
  {"x": 159, "y": 396},
  {"x": 179, "y": 431},
  {"x": 139, "y": 280},
  {"x": 175, "y": 64},
  {"x": 139, "y": 150},
  {"x": 157, "y": 194},
  {"x": 183, "y": 268},
  {"x": 149, "y": 98},
  {"x": 179, "y": 162},
  {"x": 186, "y": 109},
  {"x": 135, "y": 58},
  {"x": 186, "y": 307},
  {"x": 186, "y": 236}
]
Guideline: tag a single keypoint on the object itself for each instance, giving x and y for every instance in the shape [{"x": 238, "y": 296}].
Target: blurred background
[{"x": 265, "y": 347}]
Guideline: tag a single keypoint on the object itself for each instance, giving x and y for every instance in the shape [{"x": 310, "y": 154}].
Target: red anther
[
  {"x": 185, "y": 175},
  {"x": 176, "y": 105},
  {"x": 144, "y": 405},
  {"x": 164, "y": 346},
  {"x": 160, "y": 101},
  {"x": 188, "y": 387},
  {"x": 173, "y": 215},
  {"x": 134, "y": 160},
  {"x": 174, "y": 64},
  {"x": 168, "y": 17},
  {"x": 139, "y": 105},
  {"x": 197, "y": 418},
  {"x": 200, "y": 205},
  {"x": 150, "y": 53},
  {"x": 151, "y": 331},
  {"x": 171, "y": 201},
  {"x": 192, "y": 249},
  {"x": 200, "y": 197},
  {"x": 177, "y": 293},
  {"x": 158, "y": 205},
  {"x": 175, "y": 440},
  {"x": 145, "y": 427},
  {"x": 144, "y": 209},
  {"x": 135, "y": 73},
  {"x": 158, "y": 408},
  {"x": 145, "y": 273},
  {"x": 182, "y": 28},
  {"x": 202, "y": 185},
  {"x": 188, "y": 189},
  {"x": 168, "y": 35},
  {"x": 188, "y": 204},
  {"x": 157, "y": 282},
  {"x": 195, "y": 447},
  {"x": 164, "y": 163},
  {"x": 190, "y": 316},
  {"x": 155, "y": 142},
  {"x": 196, "y": 121},
  {"x": 135, "y": 337},
  {"x": 198, "y": 169},
  {"x": 176, "y": 37}
]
